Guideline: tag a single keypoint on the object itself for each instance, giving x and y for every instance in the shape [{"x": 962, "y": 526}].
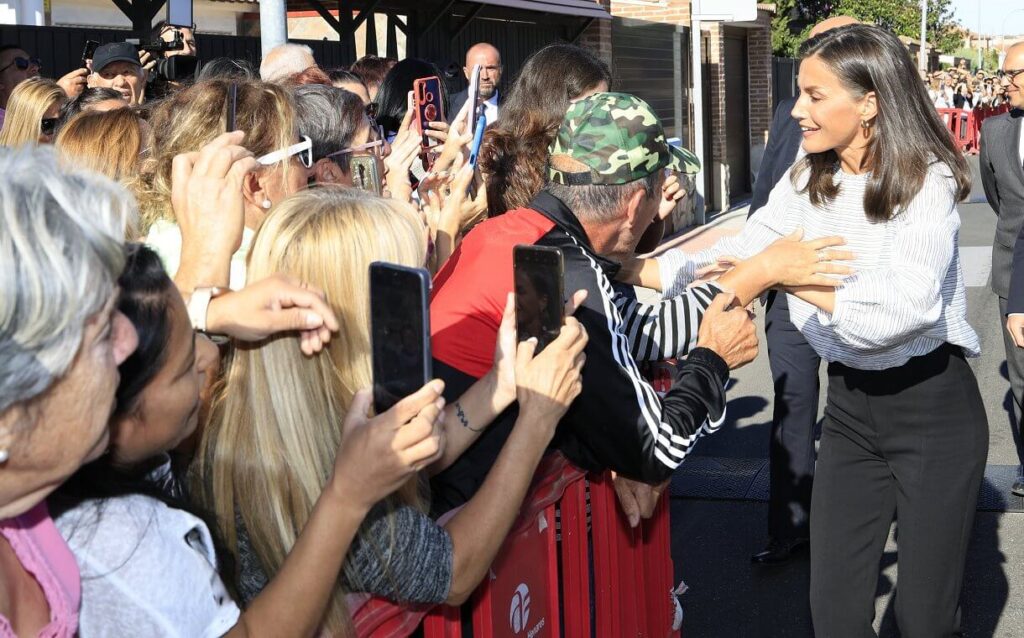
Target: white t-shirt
[
  {"x": 147, "y": 570},
  {"x": 165, "y": 238}
]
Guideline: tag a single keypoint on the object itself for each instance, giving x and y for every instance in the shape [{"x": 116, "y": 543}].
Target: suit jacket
[
  {"x": 1002, "y": 175},
  {"x": 457, "y": 102},
  {"x": 779, "y": 154}
]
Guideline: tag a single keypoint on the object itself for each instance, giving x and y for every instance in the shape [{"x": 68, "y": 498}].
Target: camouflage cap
[{"x": 619, "y": 139}]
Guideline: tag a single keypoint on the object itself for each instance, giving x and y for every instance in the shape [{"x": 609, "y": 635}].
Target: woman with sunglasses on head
[
  {"x": 32, "y": 113},
  {"x": 193, "y": 117},
  {"x": 905, "y": 432}
]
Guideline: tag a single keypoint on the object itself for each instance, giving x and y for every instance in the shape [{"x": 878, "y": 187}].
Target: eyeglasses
[
  {"x": 48, "y": 125},
  {"x": 1009, "y": 73},
  {"x": 303, "y": 149},
  {"x": 376, "y": 147},
  {"x": 23, "y": 63}
]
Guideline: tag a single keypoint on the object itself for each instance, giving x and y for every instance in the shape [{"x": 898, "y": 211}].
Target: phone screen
[
  {"x": 540, "y": 300},
  {"x": 179, "y": 13},
  {"x": 89, "y": 51},
  {"x": 365, "y": 175},
  {"x": 429, "y": 101},
  {"x": 399, "y": 333}
]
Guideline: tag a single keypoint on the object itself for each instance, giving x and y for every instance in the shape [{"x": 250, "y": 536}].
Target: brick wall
[
  {"x": 664, "y": 11},
  {"x": 598, "y": 36},
  {"x": 759, "y": 52}
]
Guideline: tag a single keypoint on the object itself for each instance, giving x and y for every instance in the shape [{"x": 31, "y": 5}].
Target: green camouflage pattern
[{"x": 619, "y": 138}]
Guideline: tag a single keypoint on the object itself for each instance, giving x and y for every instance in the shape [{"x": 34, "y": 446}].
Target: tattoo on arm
[{"x": 459, "y": 412}]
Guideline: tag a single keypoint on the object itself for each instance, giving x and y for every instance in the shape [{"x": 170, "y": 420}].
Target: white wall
[
  {"x": 211, "y": 17},
  {"x": 22, "y": 12}
]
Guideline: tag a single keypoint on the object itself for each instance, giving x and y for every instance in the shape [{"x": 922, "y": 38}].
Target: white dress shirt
[
  {"x": 1020, "y": 145},
  {"x": 491, "y": 109},
  {"x": 907, "y": 296}
]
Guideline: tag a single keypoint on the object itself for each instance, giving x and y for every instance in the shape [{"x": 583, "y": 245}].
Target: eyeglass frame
[
  {"x": 273, "y": 157},
  {"x": 29, "y": 62},
  {"x": 1010, "y": 73},
  {"x": 380, "y": 141}
]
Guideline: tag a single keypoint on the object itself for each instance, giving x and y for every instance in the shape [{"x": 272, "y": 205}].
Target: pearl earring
[
  {"x": 4, "y": 455},
  {"x": 266, "y": 203}
]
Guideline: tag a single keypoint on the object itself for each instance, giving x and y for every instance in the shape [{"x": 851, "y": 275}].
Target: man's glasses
[
  {"x": 48, "y": 125},
  {"x": 1009, "y": 73},
  {"x": 23, "y": 63},
  {"x": 303, "y": 149}
]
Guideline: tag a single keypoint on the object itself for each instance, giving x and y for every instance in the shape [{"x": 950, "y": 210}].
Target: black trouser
[
  {"x": 910, "y": 441},
  {"x": 1015, "y": 370},
  {"x": 794, "y": 365}
]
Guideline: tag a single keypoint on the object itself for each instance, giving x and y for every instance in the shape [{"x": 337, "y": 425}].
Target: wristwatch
[{"x": 199, "y": 306}]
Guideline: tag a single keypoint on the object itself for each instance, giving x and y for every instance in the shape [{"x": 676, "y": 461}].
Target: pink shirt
[{"x": 44, "y": 554}]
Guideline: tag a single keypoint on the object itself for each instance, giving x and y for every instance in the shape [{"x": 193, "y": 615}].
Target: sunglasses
[
  {"x": 303, "y": 149},
  {"x": 48, "y": 125},
  {"x": 371, "y": 110},
  {"x": 23, "y": 63}
]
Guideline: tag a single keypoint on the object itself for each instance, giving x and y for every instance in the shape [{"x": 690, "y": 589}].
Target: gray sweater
[{"x": 414, "y": 567}]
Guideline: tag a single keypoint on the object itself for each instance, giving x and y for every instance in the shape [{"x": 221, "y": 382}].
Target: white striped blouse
[{"x": 907, "y": 296}]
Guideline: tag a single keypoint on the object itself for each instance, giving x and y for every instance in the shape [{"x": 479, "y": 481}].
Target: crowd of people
[
  {"x": 960, "y": 88},
  {"x": 187, "y": 441}
]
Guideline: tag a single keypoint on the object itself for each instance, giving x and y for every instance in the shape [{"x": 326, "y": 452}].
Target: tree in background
[{"x": 794, "y": 18}]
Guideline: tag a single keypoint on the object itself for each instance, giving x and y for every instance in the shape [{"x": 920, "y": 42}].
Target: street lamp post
[
  {"x": 922, "y": 61},
  {"x": 1002, "y": 36}
]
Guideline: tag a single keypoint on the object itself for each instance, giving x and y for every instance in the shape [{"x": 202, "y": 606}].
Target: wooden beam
[
  {"x": 364, "y": 14},
  {"x": 125, "y": 8},
  {"x": 581, "y": 30},
  {"x": 371, "y": 35},
  {"x": 437, "y": 16},
  {"x": 399, "y": 23},
  {"x": 473, "y": 13},
  {"x": 326, "y": 15},
  {"x": 391, "y": 45}
]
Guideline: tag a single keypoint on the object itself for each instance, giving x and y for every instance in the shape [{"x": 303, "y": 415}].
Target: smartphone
[
  {"x": 88, "y": 52},
  {"x": 365, "y": 174},
  {"x": 428, "y": 100},
  {"x": 478, "y": 138},
  {"x": 473, "y": 98},
  {"x": 232, "y": 106},
  {"x": 399, "y": 332},
  {"x": 540, "y": 296},
  {"x": 179, "y": 13}
]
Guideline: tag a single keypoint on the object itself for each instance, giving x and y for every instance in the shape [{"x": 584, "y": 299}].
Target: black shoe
[
  {"x": 1018, "y": 487},
  {"x": 779, "y": 551}
]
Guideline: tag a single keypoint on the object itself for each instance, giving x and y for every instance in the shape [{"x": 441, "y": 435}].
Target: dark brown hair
[
  {"x": 908, "y": 135},
  {"x": 514, "y": 153}
]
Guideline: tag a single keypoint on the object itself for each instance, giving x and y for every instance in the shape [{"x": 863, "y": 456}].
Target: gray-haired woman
[{"x": 61, "y": 340}]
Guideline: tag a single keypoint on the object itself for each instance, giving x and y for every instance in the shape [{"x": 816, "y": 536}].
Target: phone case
[
  {"x": 401, "y": 364},
  {"x": 365, "y": 175},
  {"x": 539, "y": 274},
  {"x": 428, "y": 100}
]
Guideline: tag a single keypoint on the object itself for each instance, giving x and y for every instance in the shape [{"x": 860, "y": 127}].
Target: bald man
[
  {"x": 489, "y": 59},
  {"x": 794, "y": 365},
  {"x": 1002, "y": 174}
]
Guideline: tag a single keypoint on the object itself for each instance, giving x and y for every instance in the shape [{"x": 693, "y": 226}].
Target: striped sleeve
[
  {"x": 667, "y": 329},
  {"x": 885, "y": 306}
]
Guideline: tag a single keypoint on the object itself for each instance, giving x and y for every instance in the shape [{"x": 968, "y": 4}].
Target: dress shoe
[
  {"x": 779, "y": 551},
  {"x": 1018, "y": 487}
]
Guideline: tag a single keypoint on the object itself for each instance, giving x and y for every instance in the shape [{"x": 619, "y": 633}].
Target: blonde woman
[
  {"x": 265, "y": 456},
  {"x": 190, "y": 119},
  {"x": 108, "y": 142},
  {"x": 32, "y": 113}
]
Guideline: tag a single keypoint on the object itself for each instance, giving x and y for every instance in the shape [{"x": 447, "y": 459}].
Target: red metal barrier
[{"x": 965, "y": 126}]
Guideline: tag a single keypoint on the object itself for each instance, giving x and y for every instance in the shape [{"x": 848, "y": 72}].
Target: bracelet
[{"x": 463, "y": 420}]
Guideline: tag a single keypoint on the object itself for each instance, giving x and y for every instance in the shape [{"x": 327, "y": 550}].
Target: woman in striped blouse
[{"x": 905, "y": 432}]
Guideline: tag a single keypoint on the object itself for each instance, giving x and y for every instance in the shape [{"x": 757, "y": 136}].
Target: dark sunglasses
[
  {"x": 371, "y": 110},
  {"x": 23, "y": 63},
  {"x": 48, "y": 125}
]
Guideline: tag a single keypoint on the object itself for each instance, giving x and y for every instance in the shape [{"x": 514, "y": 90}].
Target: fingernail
[
  {"x": 439, "y": 404},
  {"x": 314, "y": 320},
  {"x": 437, "y": 386}
]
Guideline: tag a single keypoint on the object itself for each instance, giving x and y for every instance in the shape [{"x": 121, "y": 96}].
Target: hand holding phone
[
  {"x": 366, "y": 174},
  {"x": 399, "y": 332},
  {"x": 428, "y": 98},
  {"x": 540, "y": 296}
]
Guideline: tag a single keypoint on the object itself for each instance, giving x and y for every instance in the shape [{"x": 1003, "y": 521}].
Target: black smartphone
[
  {"x": 399, "y": 332},
  {"x": 365, "y": 174},
  {"x": 540, "y": 293},
  {"x": 88, "y": 52},
  {"x": 232, "y": 105}
]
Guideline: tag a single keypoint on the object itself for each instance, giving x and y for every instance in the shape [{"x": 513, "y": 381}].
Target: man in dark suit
[
  {"x": 489, "y": 59},
  {"x": 794, "y": 365},
  {"x": 1002, "y": 174}
]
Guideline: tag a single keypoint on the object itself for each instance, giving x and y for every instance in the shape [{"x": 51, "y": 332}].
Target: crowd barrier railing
[
  {"x": 965, "y": 125},
  {"x": 540, "y": 586}
]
